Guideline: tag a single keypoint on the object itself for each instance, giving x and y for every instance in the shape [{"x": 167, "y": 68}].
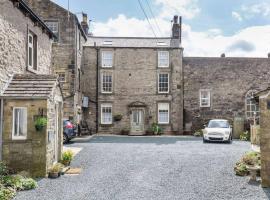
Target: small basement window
[
  {"x": 107, "y": 43},
  {"x": 19, "y": 130}
]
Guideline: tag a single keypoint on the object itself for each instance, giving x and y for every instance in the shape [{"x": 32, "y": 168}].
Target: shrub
[
  {"x": 13, "y": 181},
  {"x": 6, "y": 193},
  {"x": 28, "y": 184},
  {"x": 198, "y": 133},
  {"x": 117, "y": 117},
  {"x": 67, "y": 157},
  {"x": 3, "y": 169},
  {"x": 125, "y": 131},
  {"x": 245, "y": 136},
  {"x": 156, "y": 129},
  {"x": 241, "y": 169},
  {"x": 251, "y": 159}
]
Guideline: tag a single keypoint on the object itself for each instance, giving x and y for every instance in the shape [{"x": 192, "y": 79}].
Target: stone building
[
  {"x": 66, "y": 51},
  {"x": 134, "y": 82},
  {"x": 29, "y": 90},
  {"x": 222, "y": 88}
]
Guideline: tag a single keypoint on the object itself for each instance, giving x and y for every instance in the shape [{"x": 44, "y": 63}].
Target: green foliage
[
  {"x": 41, "y": 122},
  {"x": 245, "y": 136},
  {"x": 6, "y": 193},
  {"x": 3, "y": 169},
  {"x": 249, "y": 159},
  {"x": 67, "y": 157},
  {"x": 28, "y": 184},
  {"x": 198, "y": 133},
  {"x": 156, "y": 129},
  {"x": 18, "y": 182}
]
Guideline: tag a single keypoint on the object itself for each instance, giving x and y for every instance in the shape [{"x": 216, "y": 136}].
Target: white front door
[{"x": 137, "y": 121}]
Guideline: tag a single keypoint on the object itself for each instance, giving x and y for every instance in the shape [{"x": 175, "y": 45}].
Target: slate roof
[
  {"x": 126, "y": 42},
  {"x": 30, "y": 86}
]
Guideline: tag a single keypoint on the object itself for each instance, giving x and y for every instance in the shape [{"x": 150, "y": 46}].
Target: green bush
[
  {"x": 6, "y": 193},
  {"x": 156, "y": 129},
  {"x": 3, "y": 169},
  {"x": 40, "y": 122},
  {"x": 245, "y": 136},
  {"x": 18, "y": 182},
  {"x": 241, "y": 169},
  {"x": 67, "y": 157},
  {"x": 28, "y": 184}
]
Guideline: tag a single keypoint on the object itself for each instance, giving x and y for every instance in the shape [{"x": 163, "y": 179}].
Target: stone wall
[
  {"x": 30, "y": 154},
  {"x": 135, "y": 77},
  {"x": 229, "y": 80},
  {"x": 14, "y": 27},
  {"x": 265, "y": 140},
  {"x": 66, "y": 52}
]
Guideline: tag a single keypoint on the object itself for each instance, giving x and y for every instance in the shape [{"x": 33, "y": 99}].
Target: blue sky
[{"x": 227, "y": 22}]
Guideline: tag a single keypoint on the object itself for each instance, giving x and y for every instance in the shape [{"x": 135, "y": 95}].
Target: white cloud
[
  {"x": 187, "y": 8},
  {"x": 209, "y": 43},
  {"x": 255, "y": 9},
  {"x": 237, "y": 16}
]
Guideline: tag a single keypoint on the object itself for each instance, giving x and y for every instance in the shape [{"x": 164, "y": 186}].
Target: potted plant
[
  {"x": 40, "y": 123},
  {"x": 117, "y": 117},
  {"x": 67, "y": 157},
  {"x": 156, "y": 129},
  {"x": 55, "y": 170}
]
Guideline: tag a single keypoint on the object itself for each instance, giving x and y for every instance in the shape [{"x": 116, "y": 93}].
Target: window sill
[{"x": 106, "y": 125}]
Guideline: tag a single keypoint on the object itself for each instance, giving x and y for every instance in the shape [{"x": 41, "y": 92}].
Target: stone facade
[
  {"x": 228, "y": 79},
  {"x": 135, "y": 74},
  {"x": 264, "y": 101},
  {"x": 67, "y": 52},
  {"x": 14, "y": 28}
]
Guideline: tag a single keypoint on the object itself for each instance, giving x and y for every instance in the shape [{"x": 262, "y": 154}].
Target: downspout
[{"x": 97, "y": 88}]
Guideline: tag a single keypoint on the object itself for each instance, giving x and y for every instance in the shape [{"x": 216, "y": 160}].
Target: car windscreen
[{"x": 218, "y": 124}]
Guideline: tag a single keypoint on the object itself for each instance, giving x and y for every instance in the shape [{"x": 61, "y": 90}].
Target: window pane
[
  {"x": 163, "y": 59},
  {"x": 106, "y": 114},
  {"x": 252, "y": 109},
  {"x": 20, "y": 122},
  {"x": 30, "y": 56},
  {"x": 163, "y": 85},
  {"x": 106, "y": 82},
  {"x": 163, "y": 113},
  {"x": 107, "y": 59}
]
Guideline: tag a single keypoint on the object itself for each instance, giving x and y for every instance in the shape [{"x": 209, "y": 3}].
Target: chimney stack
[
  {"x": 268, "y": 55},
  {"x": 177, "y": 28},
  {"x": 84, "y": 23}
]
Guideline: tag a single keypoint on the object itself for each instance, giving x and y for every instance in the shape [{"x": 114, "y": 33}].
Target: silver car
[{"x": 217, "y": 130}]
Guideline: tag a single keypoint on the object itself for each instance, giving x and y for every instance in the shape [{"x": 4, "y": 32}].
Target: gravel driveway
[{"x": 146, "y": 168}]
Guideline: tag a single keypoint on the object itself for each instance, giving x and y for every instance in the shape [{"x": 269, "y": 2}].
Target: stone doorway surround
[{"x": 138, "y": 106}]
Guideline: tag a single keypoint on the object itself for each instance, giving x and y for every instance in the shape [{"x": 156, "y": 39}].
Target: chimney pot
[
  {"x": 268, "y": 55},
  {"x": 84, "y": 23},
  {"x": 223, "y": 55},
  {"x": 175, "y": 19}
]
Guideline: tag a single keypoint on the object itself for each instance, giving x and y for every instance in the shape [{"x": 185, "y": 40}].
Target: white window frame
[
  {"x": 160, "y": 57},
  {"x": 102, "y": 89},
  {"x": 30, "y": 46},
  {"x": 164, "y": 92},
  {"x": 15, "y": 137},
  {"x": 34, "y": 48},
  {"x": 250, "y": 113},
  {"x": 208, "y": 98},
  {"x": 106, "y": 105},
  {"x": 103, "y": 54},
  {"x": 161, "y": 106}
]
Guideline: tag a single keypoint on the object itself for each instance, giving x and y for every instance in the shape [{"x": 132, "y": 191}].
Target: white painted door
[{"x": 137, "y": 121}]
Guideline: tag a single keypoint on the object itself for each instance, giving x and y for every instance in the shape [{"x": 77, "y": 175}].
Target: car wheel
[{"x": 65, "y": 139}]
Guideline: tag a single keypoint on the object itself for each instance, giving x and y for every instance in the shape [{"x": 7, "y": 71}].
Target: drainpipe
[{"x": 97, "y": 88}]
